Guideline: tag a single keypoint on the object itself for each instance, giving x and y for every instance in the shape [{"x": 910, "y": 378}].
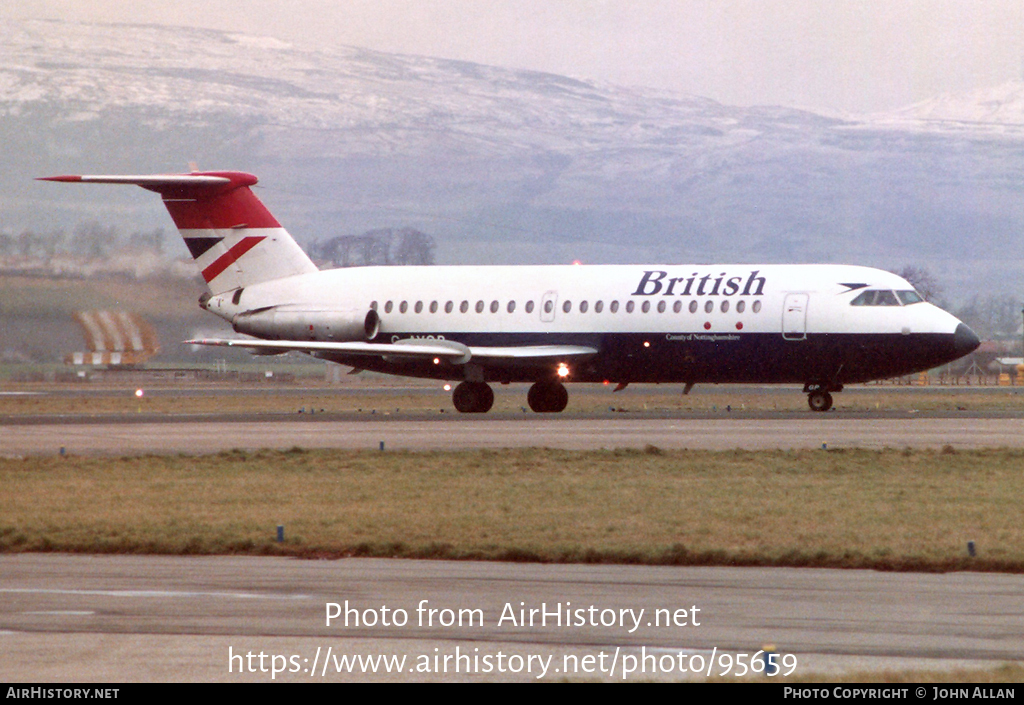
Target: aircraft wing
[{"x": 456, "y": 353}]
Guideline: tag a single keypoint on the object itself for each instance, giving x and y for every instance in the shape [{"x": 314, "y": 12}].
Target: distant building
[{"x": 114, "y": 339}]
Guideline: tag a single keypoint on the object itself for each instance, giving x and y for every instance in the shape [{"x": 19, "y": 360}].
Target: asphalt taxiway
[{"x": 133, "y": 436}]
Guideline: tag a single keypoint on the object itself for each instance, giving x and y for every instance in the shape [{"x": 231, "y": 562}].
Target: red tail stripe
[
  {"x": 196, "y": 209},
  {"x": 231, "y": 256}
]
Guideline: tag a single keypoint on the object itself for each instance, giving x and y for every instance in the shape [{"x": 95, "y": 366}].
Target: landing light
[
  {"x": 647, "y": 344},
  {"x": 437, "y": 361},
  {"x": 447, "y": 387},
  {"x": 563, "y": 370}
]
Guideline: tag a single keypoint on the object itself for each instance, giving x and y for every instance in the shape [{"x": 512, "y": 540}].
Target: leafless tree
[
  {"x": 993, "y": 317},
  {"x": 385, "y": 246},
  {"x": 923, "y": 281}
]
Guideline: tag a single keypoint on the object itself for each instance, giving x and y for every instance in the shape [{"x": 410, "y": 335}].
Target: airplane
[{"x": 820, "y": 325}]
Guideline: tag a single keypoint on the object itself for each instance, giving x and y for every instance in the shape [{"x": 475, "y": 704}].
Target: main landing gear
[
  {"x": 478, "y": 397},
  {"x": 819, "y": 397},
  {"x": 547, "y": 397},
  {"x": 473, "y": 397}
]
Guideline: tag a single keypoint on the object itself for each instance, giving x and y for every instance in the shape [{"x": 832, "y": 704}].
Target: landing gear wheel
[
  {"x": 819, "y": 400},
  {"x": 545, "y": 397},
  {"x": 473, "y": 397}
]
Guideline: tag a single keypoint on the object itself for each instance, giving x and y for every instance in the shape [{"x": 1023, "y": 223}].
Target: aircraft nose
[{"x": 965, "y": 340}]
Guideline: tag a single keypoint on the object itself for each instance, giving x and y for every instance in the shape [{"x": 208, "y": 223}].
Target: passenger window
[
  {"x": 494, "y": 306},
  {"x": 511, "y": 306},
  {"x": 529, "y": 307},
  {"x": 741, "y": 306},
  {"x": 693, "y": 306},
  {"x": 549, "y": 306},
  {"x": 387, "y": 307},
  {"x": 598, "y": 306},
  {"x": 419, "y": 307},
  {"x": 757, "y": 307},
  {"x": 373, "y": 304},
  {"x": 725, "y": 306},
  {"x": 630, "y": 306},
  {"x": 677, "y": 306},
  {"x": 403, "y": 307},
  {"x": 661, "y": 307},
  {"x": 613, "y": 307},
  {"x": 464, "y": 306},
  {"x": 479, "y": 306},
  {"x": 567, "y": 306},
  {"x": 709, "y": 307},
  {"x": 646, "y": 306},
  {"x": 433, "y": 307},
  {"x": 449, "y": 306},
  {"x": 583, "y": 307}
]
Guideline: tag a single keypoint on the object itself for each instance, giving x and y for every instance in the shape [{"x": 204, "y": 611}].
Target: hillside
[{"x": 505, "y": 166}]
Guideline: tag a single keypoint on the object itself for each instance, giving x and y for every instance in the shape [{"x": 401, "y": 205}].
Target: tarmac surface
[
  {"x": 136, "y": 618},
  {"x": 131, "y": 436}
]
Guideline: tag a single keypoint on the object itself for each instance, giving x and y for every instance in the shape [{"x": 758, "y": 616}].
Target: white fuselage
[{"x": 680, "y": 316}]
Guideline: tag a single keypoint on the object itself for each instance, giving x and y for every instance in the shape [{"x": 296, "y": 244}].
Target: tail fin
[{"x": 232, "y": 236}]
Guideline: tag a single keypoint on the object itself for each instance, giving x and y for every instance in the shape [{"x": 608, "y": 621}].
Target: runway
[
  {"x": 136, "y": 436},
  {"x": 134, "y": 618}
]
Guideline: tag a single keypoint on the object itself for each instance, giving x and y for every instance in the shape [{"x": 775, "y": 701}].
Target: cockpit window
[
  {"x": 909, "y": 297},
  {"x": 883, "y": 297},
  {"x": 886, "y": 298}
]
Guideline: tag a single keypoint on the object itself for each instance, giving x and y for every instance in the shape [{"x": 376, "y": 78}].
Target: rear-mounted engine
[{"x": 295, "y": 323}]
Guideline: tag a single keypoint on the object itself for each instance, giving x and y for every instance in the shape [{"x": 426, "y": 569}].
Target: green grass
[{"x": 894, "y": 510}]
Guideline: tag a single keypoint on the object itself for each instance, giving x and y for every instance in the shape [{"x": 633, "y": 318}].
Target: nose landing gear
[
  {"x": 819, "y": 400},
  {"x": 819, "y": 397}
]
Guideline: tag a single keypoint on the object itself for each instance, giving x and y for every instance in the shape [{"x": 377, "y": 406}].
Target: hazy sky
[{"x": 844, "y": 55}]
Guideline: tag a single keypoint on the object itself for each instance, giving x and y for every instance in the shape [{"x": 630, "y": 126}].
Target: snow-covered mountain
[
  {"x": 999, "y": 107},
  {"x": 503, "y": 165}
]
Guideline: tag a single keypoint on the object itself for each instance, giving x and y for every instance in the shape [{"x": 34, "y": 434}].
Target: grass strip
[
  {"x": 955, "y": 678},
  {"x": 429, "y": 398},
  {"x": 890, "y": 509}
]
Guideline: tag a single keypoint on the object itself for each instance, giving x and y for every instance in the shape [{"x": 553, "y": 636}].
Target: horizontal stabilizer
[{"x": 154, "y": 182}]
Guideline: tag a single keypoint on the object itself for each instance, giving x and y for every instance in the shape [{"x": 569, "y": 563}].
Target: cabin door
[{"x": 794, "y": 317}]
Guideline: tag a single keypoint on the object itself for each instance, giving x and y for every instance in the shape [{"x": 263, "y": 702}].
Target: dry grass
[
  {"x": 424, "y": 397},
  {"x": 30, "y": 296},
  {"x": 1004, "y": 673},
  {"x": 912, "y": 510},
  {"x": 290, "y": 402}
]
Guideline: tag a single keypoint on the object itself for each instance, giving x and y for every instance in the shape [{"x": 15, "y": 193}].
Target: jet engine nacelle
[{"x": 303, "y": 323}]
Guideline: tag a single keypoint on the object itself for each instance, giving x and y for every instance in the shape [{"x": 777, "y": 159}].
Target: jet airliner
[{"x": 820, "y": 325}]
